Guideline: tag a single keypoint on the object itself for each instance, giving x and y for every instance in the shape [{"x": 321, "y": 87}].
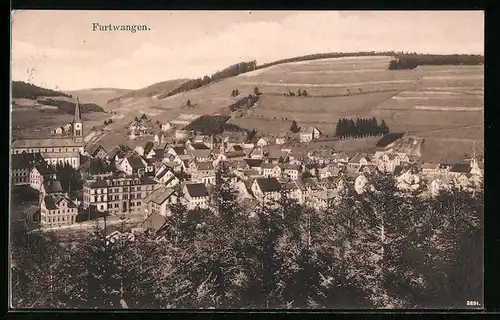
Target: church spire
[{"x": 77, "y": 111}]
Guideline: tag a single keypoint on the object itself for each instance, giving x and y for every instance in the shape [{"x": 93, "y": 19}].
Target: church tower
[{"x": 77, "y": 124}]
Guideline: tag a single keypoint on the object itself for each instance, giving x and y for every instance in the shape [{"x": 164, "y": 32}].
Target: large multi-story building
[
  {"x": 21, "y": 165},
  {"x": 117, "y": 194},
  {"x": 56, "y": 149}
]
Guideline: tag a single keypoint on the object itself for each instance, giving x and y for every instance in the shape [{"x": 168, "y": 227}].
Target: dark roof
[
  {"x": 44, "y": 169},
  {"x": 52, "y": 186},
  {"x": 26, "y": 160},
  {"x": 197, "y": 190},
  {"x": 135, "y": 162},
  {"x": 154, "y": 222},
  {"x": 388, "y": 139},
  {"x": 94, "y": 150},
  {"x": 253, "y": 163},
  {"x": 179, "y": 150},
  {"x": 148, "y": 147},
  {"x": 159, "y": 153},
  {"x": 199, "y": 146},
  {"x": 51, "y": 202},
  {"x": 237, "y": 148},
  {"x": 268, "y": 184},
  {"x": 460, "y": 167},
  {"x": 204, "y": 165},
  {"x": 235, "y": 154}
]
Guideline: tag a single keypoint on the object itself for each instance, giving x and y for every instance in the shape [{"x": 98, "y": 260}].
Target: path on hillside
[{"x": 448, "y": 129}]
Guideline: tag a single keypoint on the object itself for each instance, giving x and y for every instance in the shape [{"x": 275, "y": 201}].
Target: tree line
[
  {"x": 245, "y": 102},
  {"x": 380, "y": 250},
  {"x": 69, "y": 107},
  {"x": 360, "y": 128},
  {"x": 300, "y": 93},
  {"x": 21, "y": 89},
  {"x": 230, "y": 71}
]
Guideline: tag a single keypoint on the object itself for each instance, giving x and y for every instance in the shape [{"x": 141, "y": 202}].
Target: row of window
[
  {"x": 34, "y": 150},
  {"x": 70, "y": 219}
]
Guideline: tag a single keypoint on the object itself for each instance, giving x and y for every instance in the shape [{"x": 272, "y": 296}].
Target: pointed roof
[{"x": 77, "y": 110}]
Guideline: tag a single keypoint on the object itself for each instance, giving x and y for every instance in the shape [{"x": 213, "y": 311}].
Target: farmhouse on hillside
[{"x": 309, "y": 134}]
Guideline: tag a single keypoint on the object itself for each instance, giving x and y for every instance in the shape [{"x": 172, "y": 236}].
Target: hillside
[
  {"x": 428, "y": 100},
  {"x": 25, "y": 90},
  {"x": 159, "y": 88},
  {"x": 36, "y": 110},
  {"x": 99, "y": 96}
]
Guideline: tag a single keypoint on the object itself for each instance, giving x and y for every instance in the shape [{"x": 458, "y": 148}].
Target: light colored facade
[
  {"x": 117, "y": 195},
  {"x": 57, "y": 211}
]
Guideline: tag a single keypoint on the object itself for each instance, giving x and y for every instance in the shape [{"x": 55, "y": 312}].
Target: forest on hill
[
  {"x": 69, "y": 107},
  {"x": 25, "y": 90},
  {"x": 382, "y": 249}
]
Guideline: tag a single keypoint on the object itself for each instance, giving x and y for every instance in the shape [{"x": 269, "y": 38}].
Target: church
[{"x": 56, "y": 149}]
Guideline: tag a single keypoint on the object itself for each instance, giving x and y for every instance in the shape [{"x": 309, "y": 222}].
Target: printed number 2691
[{"x": 473, "y": 303}]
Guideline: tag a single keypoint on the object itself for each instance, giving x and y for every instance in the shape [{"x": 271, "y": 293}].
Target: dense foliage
[
  {"x": 25, "y": 90},
  {"x": 384, "y": 249},
  {"x": 208, "y": 125},
  {"x": 245, "y": 102},
  {"x": 360, "y": 128},
  {"x": 230, "y": 71},
  {"x": 403, "y": 63},
  {"x": 69, "y": 107},
  {"x": 69, "y": 177}
]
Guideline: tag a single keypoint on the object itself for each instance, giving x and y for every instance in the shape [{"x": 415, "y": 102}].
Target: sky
[{"x": 59, "y": 49}]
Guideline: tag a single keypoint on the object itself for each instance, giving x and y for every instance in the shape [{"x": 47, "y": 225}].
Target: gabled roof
[
  {"x": 200, "y": 153},
  {"x": 309, "y": 130},
  {"x": 460, "y": 167},
  {"x": 52, "y": 186},
  {"x": 196, "y": 190},
  {"x": 136, "y": 162},
  {"x": 290, "y": 167},
  {"x": 359, "y": 156},
  {"x": 179, "y": 150},
  {"x": 154, "y": 222},
  {"x": 253, "y": 163},
  {"x": 52, "y": 202},
  {"x": 199, "y": 146},
  {"x": 94, "y": 150},
  {"x": 269, "y": 165},
  {"x": 148, "y": 147},
  {"x": 268, "y": 184},
  {"x": 160, "y": 195},
  {"x": 235, "y": 154},
  {"x": 204, "y": 165}
]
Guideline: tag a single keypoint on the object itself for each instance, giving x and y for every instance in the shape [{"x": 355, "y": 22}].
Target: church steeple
[
  {"x": 77, "y": 123},
  {"x": 77, "y": 111}
]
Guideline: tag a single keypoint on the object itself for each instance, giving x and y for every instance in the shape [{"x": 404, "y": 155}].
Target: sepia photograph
[{"x": 246, "y": 160}]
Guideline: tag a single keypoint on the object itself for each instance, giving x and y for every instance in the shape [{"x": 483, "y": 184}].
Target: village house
[
  {"x": 281, "y": 138},
  {"x": 166, "y": 126},
  {"x": 293, "y": 171},
  {"x": 97, "y": 151},
  {"x": 159, "y": 201},
  {"x": 309, "y": 134},
  {"x": 51, "y": 187},
  {"x": 262, "y": 142},
  {"x": 196, "y": 195},
  {"x": 133, "y": 165},
  {"x": 360, "y": 159},
  {"x": 265, "y": 189},
  {"x": 166, "y": 177},
  {"x": 271, "y": 170},
  {"x": 57, "y": 211},
  {"x": 40, "y": 173},
  {"x": 251, "y": 164},
  {"x": 293, "y": 191},
  {"x": 308, "y": 187},
  {"x": 202, "y": 172}
]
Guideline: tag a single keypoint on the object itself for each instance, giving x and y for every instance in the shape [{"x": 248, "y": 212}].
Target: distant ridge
[{"x": 21, "y": 89}]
